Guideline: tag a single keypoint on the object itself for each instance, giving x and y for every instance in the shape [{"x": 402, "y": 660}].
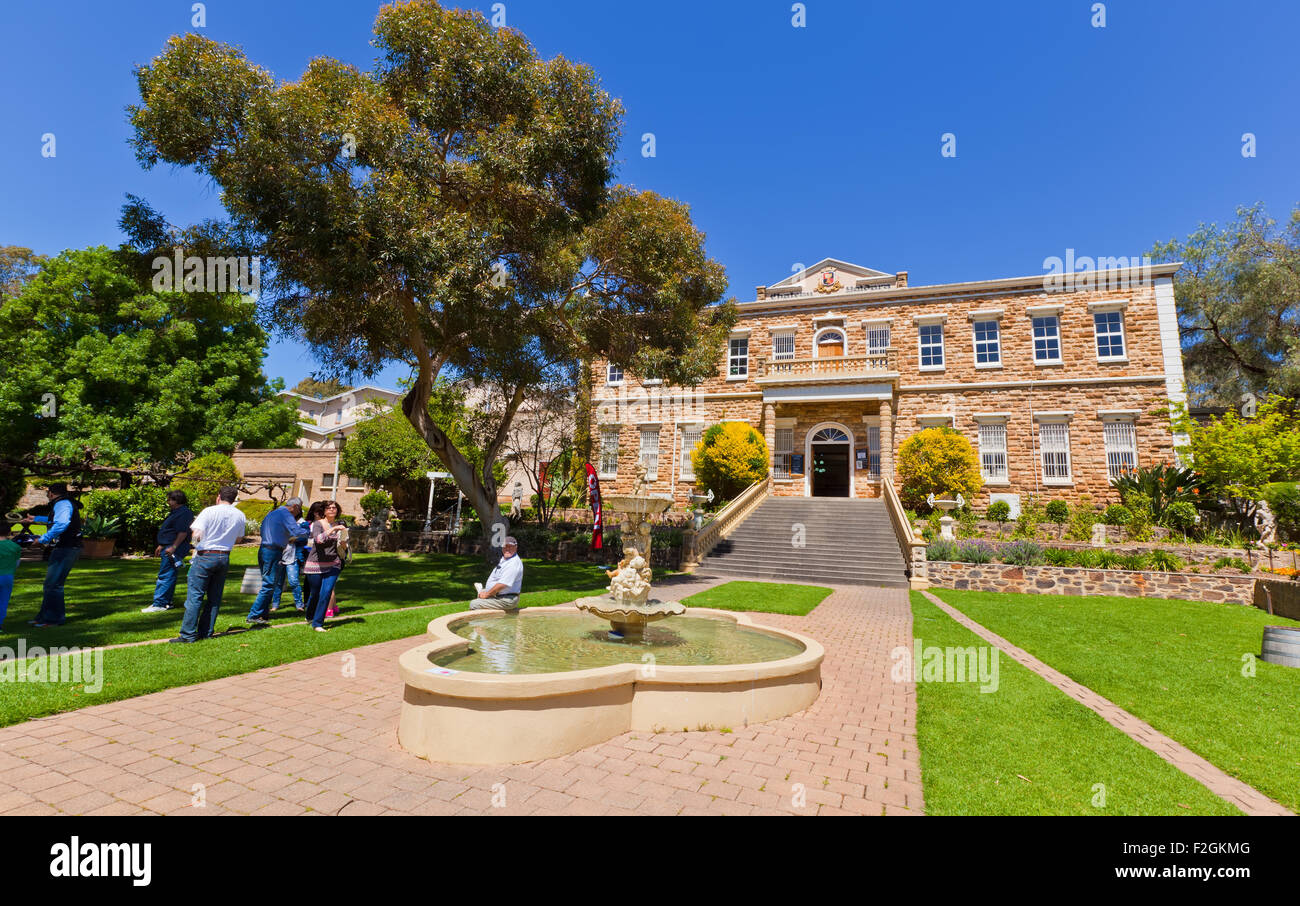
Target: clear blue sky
[{"x": 790, "y": 144}]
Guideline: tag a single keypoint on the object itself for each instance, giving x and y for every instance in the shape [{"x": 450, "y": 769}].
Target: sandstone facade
[{"x": 840, "y": 347}]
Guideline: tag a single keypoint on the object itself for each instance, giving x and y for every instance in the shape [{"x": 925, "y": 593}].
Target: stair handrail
[
  {"x": 910, "y": 543},
  {"x": 696, "y": 545}
]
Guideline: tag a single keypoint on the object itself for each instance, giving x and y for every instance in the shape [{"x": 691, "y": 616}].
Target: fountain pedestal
[{"x": 627, "y": 604}]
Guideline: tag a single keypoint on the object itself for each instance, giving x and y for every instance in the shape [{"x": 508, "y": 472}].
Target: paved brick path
[
  {"x": 1247, "y": 798},
  {"x": 306, "y": 737}
]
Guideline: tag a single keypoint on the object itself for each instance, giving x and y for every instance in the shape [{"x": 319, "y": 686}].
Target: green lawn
[
  {"x": 1028, "y": 749},
  {"x": 105, "y": 596},
  {"x": 768, "y": 597},
  {"x": 1176, "y": 664}
]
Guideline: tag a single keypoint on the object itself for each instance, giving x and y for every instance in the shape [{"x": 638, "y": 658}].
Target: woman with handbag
[{"x": 323, "y": 563}]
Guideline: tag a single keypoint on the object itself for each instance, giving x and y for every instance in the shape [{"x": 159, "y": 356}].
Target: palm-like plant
[{"x": 1164, "y": 484}]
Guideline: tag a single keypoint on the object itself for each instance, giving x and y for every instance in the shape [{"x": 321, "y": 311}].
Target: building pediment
[{"x": 828, "y": 277}]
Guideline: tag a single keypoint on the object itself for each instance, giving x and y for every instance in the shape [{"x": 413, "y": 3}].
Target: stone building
[{"x": 1058, "y": 381}]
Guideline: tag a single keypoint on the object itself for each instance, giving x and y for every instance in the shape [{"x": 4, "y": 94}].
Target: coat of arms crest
[{"x": 828, "y": 283}]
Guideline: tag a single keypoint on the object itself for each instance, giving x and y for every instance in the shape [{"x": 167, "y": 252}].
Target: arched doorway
[{"x": 829, "y": 448}]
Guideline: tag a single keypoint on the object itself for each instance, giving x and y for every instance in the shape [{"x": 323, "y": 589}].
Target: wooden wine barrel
[{"x": 1281, "y": 646}]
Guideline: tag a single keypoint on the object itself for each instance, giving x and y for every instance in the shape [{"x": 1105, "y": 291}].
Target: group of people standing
[{"x": 294, "y": 548}]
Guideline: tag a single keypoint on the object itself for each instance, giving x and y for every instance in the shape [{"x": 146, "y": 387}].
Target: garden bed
[{"x": 1072, "y": 580}]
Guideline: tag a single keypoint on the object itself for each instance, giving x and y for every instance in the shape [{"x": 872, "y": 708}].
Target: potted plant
[{"x": 99, "y": 534}]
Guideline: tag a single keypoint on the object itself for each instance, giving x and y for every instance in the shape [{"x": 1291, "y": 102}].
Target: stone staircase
[{"x": 846, "y": 542}]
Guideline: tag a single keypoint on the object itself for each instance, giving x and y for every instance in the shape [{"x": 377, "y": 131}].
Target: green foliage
[
  {"x": 1283, "y": 499},
  {"x": 1057, "y": 512},
  {"x": 255, "y": 510},
  {"x": 320, "y": 389},
  {"x": 1117, "y": 514},
  {"x": 1082, "y": 518},
  {"x": 204, "y": 477},
  {"x": 967, "y": 522},
  {"x": 937, "y": 461},
  {"x": 975, "y": 552},
  {"x": 942, "y": 549},
  {"x": 1141, "y": 517},
  {"x": 1161, "y": 485},
  {"x": 136, "y": 374},
  {"x": 1055, "y": 556},
  {"x": 472, "y": 152},
  {"x": 13, "y": 485},
  {"x": 1021, "y": 553},
  {"x": 1239, "y": 457},
  {"x": 730, "y": 457},
  {"x": 375, "y": 503},
  {"x": 1179, "y": 516},
  {"x": 1108, "y": 560},
  {"x": 1165, "y": 561},
  {"x": 1031, "y": 514},
  {"x": 1226, "y": 563},
  {"x": 139, "y": 510},
  {"x": 100, "y": 528},
  {"x": 1238, "y": 296},
  {"x": 1135, "y": 562},
  {"x": 999, "y": 511}
]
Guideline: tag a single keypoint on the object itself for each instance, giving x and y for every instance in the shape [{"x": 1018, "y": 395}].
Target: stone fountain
[{"x": 627, "y": 603}]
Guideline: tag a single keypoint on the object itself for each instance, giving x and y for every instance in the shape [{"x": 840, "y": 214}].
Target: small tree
[
  {"x": 1058, "y": 513},
  {"x": 374, "y": 504},
  {"x": 1000, "y": 512},
  {"x": 938, "y": 461},
  {"x": 729, "y": 458},
  {"x": 203, "y": 477},
  {"x": 541, "y": 441}
]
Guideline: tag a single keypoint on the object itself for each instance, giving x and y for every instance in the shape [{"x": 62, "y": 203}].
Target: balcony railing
[{"x": 840, "y": 366}]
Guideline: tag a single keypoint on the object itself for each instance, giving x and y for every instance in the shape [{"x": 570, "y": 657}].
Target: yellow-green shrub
[
  {"x": 729, "y": 458},
  {"x": 938, "y": 461}
]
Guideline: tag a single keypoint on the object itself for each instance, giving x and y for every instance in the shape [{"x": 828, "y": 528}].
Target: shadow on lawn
[{"x": 104, "y": 597}]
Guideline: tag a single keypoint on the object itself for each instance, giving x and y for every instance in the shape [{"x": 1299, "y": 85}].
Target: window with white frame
[
  {"x": 1121, "y": 447},
  {"x": 993, "y": 451},
  {"x": 783, "y": 447},
  {"x": 650, "y": 452},
  {"x": 931, "y": 336},
  {"x": 738, "y": 357},
  {"x": 873, "y": 452},
  {"x": 783, "y": 345},
  {"x": 613, "y": 374},
  {"x": 691, "y": 435},
  {"x": 988, "y": 343},
  {"x": 1054, "y": 447},
  {"x": 1047, "y": 339},
  {"x": 877, "y": 338},
  {"x": 609, "y": 452},
  {"x": 1110, "y": 334}
]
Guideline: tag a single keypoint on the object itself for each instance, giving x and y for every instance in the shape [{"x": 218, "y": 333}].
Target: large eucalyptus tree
[{"x": 454, "y": 208}]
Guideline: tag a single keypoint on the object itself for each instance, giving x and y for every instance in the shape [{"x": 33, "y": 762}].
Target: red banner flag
[{"x": 598, "y": 521}]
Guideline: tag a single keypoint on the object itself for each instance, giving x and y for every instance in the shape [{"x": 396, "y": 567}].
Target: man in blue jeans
[
  {"x": 63, "y": 541},
  {"x": 214, "y": 533},
  {"x": 173, "y": 544},
  {"x": 280, "y": 528}
]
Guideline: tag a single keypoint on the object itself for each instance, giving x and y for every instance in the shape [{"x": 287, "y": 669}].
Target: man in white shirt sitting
[
  {"x": 501, "y": 592},
  {"x": 214, "y": 534}
]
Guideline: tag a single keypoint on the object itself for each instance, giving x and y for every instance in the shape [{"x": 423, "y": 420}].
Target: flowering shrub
[{"x": 1021, "y": 553}]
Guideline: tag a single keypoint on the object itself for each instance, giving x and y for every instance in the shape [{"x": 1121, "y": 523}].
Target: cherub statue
[{"x": 630, "y": 583}]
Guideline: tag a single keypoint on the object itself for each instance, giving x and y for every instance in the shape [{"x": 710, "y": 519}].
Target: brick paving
[
  {"x": 319, "y": 736},
  {"x": 1245, "y": 797}
]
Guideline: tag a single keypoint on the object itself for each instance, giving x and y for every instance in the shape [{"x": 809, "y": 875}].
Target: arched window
[{"x": 830, "y": 436}]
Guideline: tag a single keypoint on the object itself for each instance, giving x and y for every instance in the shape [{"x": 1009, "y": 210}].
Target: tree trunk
[{"x": 481, "y": 492}]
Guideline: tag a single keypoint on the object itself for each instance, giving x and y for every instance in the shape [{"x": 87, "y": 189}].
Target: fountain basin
[{"x": 474, "y": 717}]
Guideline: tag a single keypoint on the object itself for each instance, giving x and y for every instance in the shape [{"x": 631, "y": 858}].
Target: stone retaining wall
[
  {"x": 1283, "y": 594},
  {"x": 1068, "y": 580}
]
